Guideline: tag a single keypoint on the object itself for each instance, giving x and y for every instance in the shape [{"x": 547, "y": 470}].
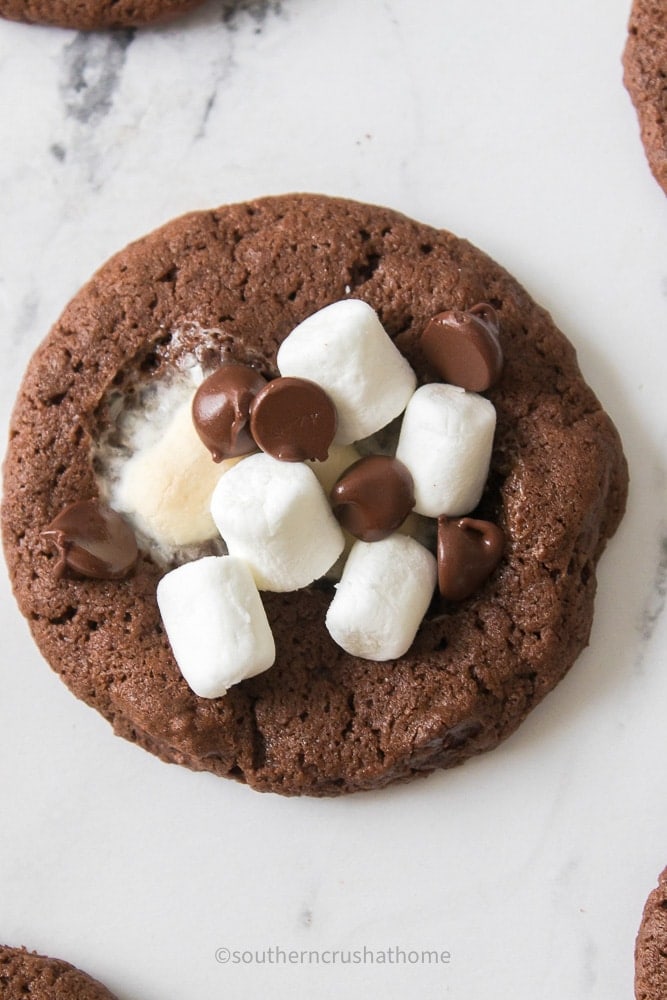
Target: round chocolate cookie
[
  {"x": 651, "y": 946},
  {"x": 645, "y": 65},
  {"x": 231, "y": 284},
  {"x": 94, "y": 15},
  {"x": 24, "y": 973}
]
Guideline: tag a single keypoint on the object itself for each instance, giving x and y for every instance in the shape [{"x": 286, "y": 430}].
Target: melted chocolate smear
[{"x": 92, "y": 540}]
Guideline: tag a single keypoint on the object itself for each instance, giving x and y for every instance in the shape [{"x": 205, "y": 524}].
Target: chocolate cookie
[
  {"x": 24, "y": 973},
  {"x": 93, "y": 15},
  {"x": 645, "y": 65},
  {"x": 651, "y": 946},
  {"x": 230, "y": 285}
]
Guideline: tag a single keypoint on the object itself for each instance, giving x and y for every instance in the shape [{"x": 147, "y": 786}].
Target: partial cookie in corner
[
  {"x": 651, "y": 946},
  {"x": 93, "y": 15},
  {"x": 230, "y": 285},
  {"x": 24, "y": 973},
  {"x": 645, "y": 65}
]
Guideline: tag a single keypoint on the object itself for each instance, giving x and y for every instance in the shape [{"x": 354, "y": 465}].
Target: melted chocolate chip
[
  {"x": 92, "y": 540},
  {"x": 221, "y": 410},
  {"x": 463, "y": 347},
  {"x": 468, "y": 552},
  {"x": 373, "y": 497},
  {"x": 293, "y": 419}
]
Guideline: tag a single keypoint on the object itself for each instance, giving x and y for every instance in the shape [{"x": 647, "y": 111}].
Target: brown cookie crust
[
  {"x": 93, "y": 15},
  {"x": 651, "y": 946},
  {"x": 645, "y": 76},
  {"x": 25, "y": 973},
  {"x": 319, "y": 722}
]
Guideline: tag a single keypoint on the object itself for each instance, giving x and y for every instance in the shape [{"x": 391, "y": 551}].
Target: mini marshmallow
[
  {"x": 215, "y": 623},
  {"x": 276, "y": 516},
  {"x": 346, "y": 350},
  {"x": 384, "y": 592},
  {"x": 446, "y": 440},
  {"x": 165, "y": 488}
]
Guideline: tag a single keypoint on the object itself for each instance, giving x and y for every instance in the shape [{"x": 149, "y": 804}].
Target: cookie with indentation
[
  {"x": 94, "y": 15},
  {"x": 25, "y": 973},
  {"x": 230, "y": 285},
  {"x": 645, "y": 76},
  {"x": 651, "y": 946}
]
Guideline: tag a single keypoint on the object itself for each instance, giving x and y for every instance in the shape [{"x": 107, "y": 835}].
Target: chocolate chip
[
  {"x": 373, "y": 497},
  {"x": 221, "y": 410},
  {"x": 468, "y": 552},
  {"x": 92, "y": 540},
  {"x": 293, "y": 419},
  {"x": 463, "y": 347}
]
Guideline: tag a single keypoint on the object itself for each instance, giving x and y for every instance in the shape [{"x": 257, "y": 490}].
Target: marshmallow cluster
[{"x": 277, "y": 523}]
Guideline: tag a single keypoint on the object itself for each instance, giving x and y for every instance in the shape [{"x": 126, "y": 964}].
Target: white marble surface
[{"x": 509, "y": 124}]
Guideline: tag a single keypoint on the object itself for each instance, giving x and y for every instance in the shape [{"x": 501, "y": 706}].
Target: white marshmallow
[
  {"x": 275, "y": 516},
  {"x": 215, "y": 623},
  {"x": 165, "y": 487},
  {"x": 346, "y": 350},
  {"x": 382, "y": 597},
  {"x": 446, "y": 440}
]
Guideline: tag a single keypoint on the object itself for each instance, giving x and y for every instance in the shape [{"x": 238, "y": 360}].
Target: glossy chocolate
[
  {"x": 293, "y": 419},
  {"x": 468, "y": 552},
  {"x": 221, "y": 410},
  {"x": 92, "y": 540},
  {"x": 373, "y": 497},
  {"x": 463, "y": 347}
]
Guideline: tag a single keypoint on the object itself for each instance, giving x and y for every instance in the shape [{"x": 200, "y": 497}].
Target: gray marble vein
[
  {"x": 91, "y": 72},
  {"x": 234, "y": 17},
  {"x": 589, "y": 965},
  {"x": 655, "y": 605},
  {"x": 258, "y": 10}
]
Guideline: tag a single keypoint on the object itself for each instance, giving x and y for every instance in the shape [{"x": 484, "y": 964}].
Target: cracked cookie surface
[
  {"x": 645, "y": 76},
  {"x": 24, "y": 973},
  {"x": 94, "y": 15},
  {"x": 651, "y": 946},
  {"x": 233, "y": 283}
]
